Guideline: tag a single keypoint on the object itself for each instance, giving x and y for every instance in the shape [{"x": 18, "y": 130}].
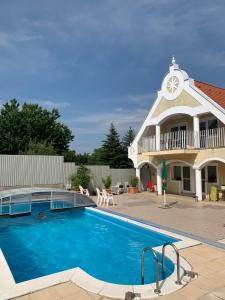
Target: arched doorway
[
  {"x": 212, "y": 174},
  {"x": 147, "y": 173}
]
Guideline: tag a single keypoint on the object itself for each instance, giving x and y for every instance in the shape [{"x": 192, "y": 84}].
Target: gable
[{"x": 184, "y": 99}]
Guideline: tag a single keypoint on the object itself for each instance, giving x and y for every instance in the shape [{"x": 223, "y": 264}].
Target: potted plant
[
  {"x": 107, "y": 183},
  {"x": 134, "y": 184},
  {"x": 75, "y": 182},
  {"x": 82, "y": 178}
]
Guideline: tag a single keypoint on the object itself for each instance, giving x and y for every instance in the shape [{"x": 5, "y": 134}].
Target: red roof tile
[{"x": 217, "y": 94}]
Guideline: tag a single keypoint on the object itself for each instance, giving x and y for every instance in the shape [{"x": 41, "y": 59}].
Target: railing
[
  {"x": 210, "y": 138},
  {"x": 178, "y": 261},
  {"x": 177, "y": 140},
  {"x": 157, "y": 289}
]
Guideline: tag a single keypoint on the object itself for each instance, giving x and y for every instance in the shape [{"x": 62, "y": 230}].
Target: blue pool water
[{"x": 106, "y": 248}]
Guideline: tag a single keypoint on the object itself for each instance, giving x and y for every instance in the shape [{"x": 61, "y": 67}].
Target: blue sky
[{"x": 102, "y": 61}]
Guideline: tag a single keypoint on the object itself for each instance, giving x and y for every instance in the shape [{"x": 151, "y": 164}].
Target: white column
[
  {"x": 157, "y": 137},
  {"x": 159, "y": 180},
  {"x": 198, "y": 184},
  {"x": 196, "y": 128},
  {"x": 138, "y": 175}
]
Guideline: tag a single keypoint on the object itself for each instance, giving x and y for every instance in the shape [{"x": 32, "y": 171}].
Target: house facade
[{"x": 186, "y": 127}]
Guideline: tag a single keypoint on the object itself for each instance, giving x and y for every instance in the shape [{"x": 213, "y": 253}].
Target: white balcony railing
[
  {"x": 211, "y": 138},
  {"x": 177, "y": 140}
]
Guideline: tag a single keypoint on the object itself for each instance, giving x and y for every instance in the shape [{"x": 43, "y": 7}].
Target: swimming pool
[{"x": 107, "y": 248}]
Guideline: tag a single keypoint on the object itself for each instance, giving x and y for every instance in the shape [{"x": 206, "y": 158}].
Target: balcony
[{"x": 184, "y": 140}]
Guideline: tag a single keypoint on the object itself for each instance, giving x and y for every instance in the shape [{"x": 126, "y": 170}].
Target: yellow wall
[
  {"x": 184, "y": 99},
  {"x": 172, "y": 186},
  {"x": 221, "y": 171},
  {"x": 209, "y": 153}
]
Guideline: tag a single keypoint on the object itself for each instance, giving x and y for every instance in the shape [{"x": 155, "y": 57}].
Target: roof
[{"x": 217, "y": 94}]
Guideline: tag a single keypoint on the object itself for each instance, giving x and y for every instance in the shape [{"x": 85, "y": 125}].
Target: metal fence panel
[
  {"x": 22, "y": 170},
  {"x": 30, "y": 170}
]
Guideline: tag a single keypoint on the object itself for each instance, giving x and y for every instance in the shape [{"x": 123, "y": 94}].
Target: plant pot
[
  {"x": 133, "y": 189},
  {"x": 109, "y": 190}
]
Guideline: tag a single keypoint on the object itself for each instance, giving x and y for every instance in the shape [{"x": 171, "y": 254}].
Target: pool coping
[{"x": 10, "y": 289}]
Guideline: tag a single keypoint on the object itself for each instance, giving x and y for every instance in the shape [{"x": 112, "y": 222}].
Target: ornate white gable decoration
[{"x": 173, "y": 83}]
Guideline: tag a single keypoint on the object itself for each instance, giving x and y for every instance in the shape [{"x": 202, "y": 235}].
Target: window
[
  {"x": 212, "y": 124},
  {"x": 212, "y": 174},
  {"x": 176, "y": 173}
]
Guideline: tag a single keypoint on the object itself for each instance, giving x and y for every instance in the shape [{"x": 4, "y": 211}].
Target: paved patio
[{"x": 204, "y": 219}]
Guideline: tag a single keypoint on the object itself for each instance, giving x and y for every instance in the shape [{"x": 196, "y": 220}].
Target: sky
[{"x": 103, "y": 61}]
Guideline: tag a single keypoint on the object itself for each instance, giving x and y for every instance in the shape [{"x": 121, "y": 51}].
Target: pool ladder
[{"x": 157, "y": 289}]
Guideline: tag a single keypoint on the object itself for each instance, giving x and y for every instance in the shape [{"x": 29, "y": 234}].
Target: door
[{"x": 186, "y": 179}]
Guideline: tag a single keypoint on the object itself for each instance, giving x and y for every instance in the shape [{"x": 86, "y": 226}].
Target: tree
[
  {"x": 113, "y": 152},
  {"x": 111, "y": 148},
  {"x": 69, "y": 156},
  {"x": 96, "y": 158},
  {"x": 40, "y": 149},
  {"x": 126, "y": 142},
  {"x": 128, "y": 138},
  {"x": 19, "y": 127},
  {"x": 82, "y": 159}
]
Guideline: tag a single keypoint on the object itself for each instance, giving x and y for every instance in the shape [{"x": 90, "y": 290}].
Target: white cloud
[
  {"x": 142, "y": 97},
  {"x": 50, "y": 104},
  {"x": 99, "y": 122}
]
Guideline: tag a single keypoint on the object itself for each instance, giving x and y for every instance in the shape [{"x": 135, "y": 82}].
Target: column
[
  {"x": 157, "y": 137},
  {"x": 196, "y": 128},
  {"x": 138, "y": 175},
  {"x": 198, "y": 184},
  {"x": 159, "y": 180}
]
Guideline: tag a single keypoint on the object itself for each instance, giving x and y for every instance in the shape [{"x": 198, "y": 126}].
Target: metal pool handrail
[
  {"x": 157, "y": 289},
  {"x": 178, "y": 261}
]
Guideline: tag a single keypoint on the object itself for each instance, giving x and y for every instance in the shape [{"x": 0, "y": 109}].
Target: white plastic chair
[
  {"x": 107, "y": 198},
  {"x": 126, "y": 187},
  {"x": 67, "y": 186},
  {"x": 118, "y": 188},
  {"x": 100, "y": 199},
  {"x": 84, "y": 191}
]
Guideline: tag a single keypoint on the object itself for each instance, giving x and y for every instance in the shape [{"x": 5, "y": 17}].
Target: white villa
[{"x": 186, "y": 127}]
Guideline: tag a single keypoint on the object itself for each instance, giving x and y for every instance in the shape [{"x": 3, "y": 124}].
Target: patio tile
[
  {"x": 81, "y": 296},
  {"x": 44, "y": 295},
  {"x": 95, "y": 296},
  {"x": 220, "y": 293},
  {"x": 26, "y": 297},
  {"x": 66, "y": 289},
  {"x": 210, "y": 297}
]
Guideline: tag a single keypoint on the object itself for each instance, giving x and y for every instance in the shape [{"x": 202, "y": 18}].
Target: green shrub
[
  {"x": 82, "y": 177},
  {"x": 134, "y": 181},
  {"x": 75, "y": 181},
  {"x": 107, "y": 181}
]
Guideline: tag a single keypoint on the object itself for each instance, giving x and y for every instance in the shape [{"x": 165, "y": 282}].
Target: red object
[
  {"x": 150, "y": 185},
  {"x": 217, "y": 94}
]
